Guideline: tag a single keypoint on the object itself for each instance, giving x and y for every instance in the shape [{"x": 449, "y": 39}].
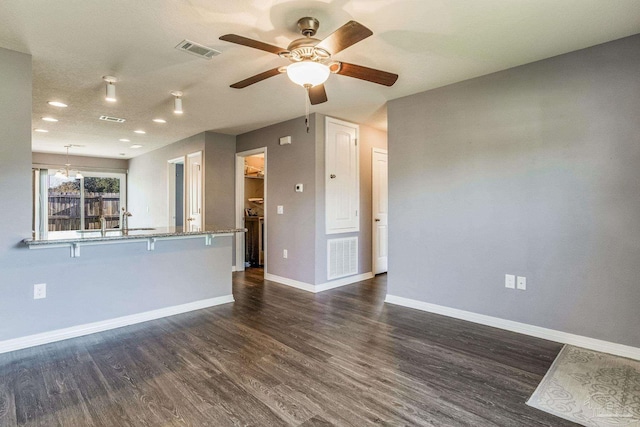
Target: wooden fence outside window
[{"x": 64, "y": 210}]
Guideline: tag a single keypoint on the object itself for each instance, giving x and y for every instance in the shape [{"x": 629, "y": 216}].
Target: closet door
[{"x": 342, "y": 179}]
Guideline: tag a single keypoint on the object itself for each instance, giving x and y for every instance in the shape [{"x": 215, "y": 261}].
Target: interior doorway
[
  {"x": 380, "y": 210},
  {"x": 179, "y": 194},
  {"x": 176, "y": 187},
  {"x": 251, "y": 211}
]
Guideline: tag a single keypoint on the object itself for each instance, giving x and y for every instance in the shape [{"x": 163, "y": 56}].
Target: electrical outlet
[
  {"x": 280, "y": 209},
  {"x": 522, "y": 283},
  {"x": 285, "y": 254},
  {"x": 509, "y": 281},
  {"x": 40, "y": 291}
]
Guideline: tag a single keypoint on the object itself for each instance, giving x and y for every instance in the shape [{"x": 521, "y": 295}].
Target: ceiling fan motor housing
[
  {"x": 304, "y": 49},
  {"x": 308, "y": 26}
]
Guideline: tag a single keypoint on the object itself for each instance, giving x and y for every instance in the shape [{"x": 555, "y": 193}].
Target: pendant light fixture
[
  {"x": 64, "y": 173},
  {"x": 111, "y": 88},
  {"x": 177, "y": 102}
]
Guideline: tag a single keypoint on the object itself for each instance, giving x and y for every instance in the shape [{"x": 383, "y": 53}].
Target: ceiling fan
[{"x": 310, "y": 58}]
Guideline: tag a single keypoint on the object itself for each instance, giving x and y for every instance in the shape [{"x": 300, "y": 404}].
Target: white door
[
  {"x": 194, "y": 191},
  {"x": 342, "y": 180},
  {"x": 380, "y": 210}
]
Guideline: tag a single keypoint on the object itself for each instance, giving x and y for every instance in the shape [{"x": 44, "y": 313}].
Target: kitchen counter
[{"x": 75, "y": 239}]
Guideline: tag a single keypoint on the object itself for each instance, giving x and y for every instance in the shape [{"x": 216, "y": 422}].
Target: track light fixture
[
  {"x": 177, "y": 102},
  {"x": 111, "y": 88}
]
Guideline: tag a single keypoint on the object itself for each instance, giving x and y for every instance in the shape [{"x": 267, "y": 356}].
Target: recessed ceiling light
[
  {"x": 125, "y": 140},
  {"x": 41, "y": 130},
  {"x": 49, "y": 119},
  {"x": 57, "y": 104},
  {"x": 123, "y": 154},
  {"x": 136, "y": 146},
  {"x": 160, "y": 120},
  {"x": 139, "y": 131}
]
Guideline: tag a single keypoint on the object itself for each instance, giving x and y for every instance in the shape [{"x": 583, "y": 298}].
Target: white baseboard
[
  {"x": 233, "y": 268},
  {"x": 522, "y": 328},
  {"x": 91, "y": 328},
  {"x": 343, "y": 282},
  {"x": 318, "y": 288},
  {"x": 290, "y": 282}
]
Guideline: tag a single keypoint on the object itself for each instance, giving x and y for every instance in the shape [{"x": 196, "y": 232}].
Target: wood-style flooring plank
[{"x": 283, "y": 357}]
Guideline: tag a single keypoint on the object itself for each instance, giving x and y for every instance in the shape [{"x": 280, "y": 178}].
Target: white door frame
[
  {"x": 188, "y": 180},
  {"x": 373, "y": 218},
  {"x": 240, "y": 237},
  {"x": 171, "y": 190}
]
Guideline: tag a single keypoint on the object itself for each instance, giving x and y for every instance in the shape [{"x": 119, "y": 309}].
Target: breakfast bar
[{"x": 77, "y": 238}]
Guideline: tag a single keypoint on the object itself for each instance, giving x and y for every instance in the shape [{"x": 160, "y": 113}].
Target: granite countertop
[{"x": 86, "y": 236}]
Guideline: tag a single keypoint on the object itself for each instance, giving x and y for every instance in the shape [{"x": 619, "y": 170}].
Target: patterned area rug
[{"x": 591, "y": 389}]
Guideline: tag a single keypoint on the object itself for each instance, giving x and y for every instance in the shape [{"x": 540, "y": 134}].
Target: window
[{"x": 77, "y": 203}]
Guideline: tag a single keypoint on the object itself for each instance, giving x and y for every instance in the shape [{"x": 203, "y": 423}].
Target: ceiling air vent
[
  {"x": 197, "y": 49},
  {"x": 112, "y": 119}
]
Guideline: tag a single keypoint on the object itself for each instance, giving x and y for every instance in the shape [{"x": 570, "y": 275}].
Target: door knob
[
  {"x": 189, "y": 219},
  {"x": 332, "y": 176},
  {"x": 377, "y": 219}
]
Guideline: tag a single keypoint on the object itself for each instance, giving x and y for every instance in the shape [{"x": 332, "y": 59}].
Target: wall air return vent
[
  {"x": 197, "y": 49},
  {"x": 112, "y": 119},
  {"x": 342, "y": 257}
]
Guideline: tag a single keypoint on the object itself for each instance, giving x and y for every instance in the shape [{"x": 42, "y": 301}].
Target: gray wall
[
  {"x": 301, "y": 230},
  {"x": 96, "y": 163},
  {"x": 147, "y": 186},
  {"x": 148, "y": 180},
  {"x": 288, "y": 165},
  {"x": 106, "y": 281},
  {"x": 219, "y": 160},
  {"x": 531, "y": 171}
]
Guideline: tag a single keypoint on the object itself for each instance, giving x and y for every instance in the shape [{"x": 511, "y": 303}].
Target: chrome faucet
[
  {"x": 124, "y": 220},
  {"x": 103, "y": 225}
]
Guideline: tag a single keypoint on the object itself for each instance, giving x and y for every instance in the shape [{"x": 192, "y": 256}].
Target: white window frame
[{"x": 41, "y": 211}]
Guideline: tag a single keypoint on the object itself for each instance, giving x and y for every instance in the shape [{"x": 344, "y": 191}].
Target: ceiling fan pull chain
[{"x": 306, "y": 104}]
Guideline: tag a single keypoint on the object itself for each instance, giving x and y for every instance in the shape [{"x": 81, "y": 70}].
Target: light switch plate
[
  {"x": 522, "y": 283},
  {"x": 40, "y": 291},
  {"x": 510, "y": 281},
  {"x": 280, "y": 209}
]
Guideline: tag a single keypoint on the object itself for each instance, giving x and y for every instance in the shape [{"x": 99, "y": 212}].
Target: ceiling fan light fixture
[
  {"x": 177, "y": 102},
  {"x": 308, "y": 73}
]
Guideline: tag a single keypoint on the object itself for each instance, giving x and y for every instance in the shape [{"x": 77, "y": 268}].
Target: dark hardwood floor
[{"x": 280, "y": 356}]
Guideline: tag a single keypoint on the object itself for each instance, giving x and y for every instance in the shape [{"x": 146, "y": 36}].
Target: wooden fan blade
[
  {"x": 349, "y": 34},
  {"x": 257, "y": 78},
  {"x": 317, "y": 95},
  {"x": 368, "y": 74},
  {"x": 234, "y": 38}
]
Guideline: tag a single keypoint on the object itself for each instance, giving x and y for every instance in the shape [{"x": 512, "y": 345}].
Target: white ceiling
[{"x": 429, "y": 43}]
